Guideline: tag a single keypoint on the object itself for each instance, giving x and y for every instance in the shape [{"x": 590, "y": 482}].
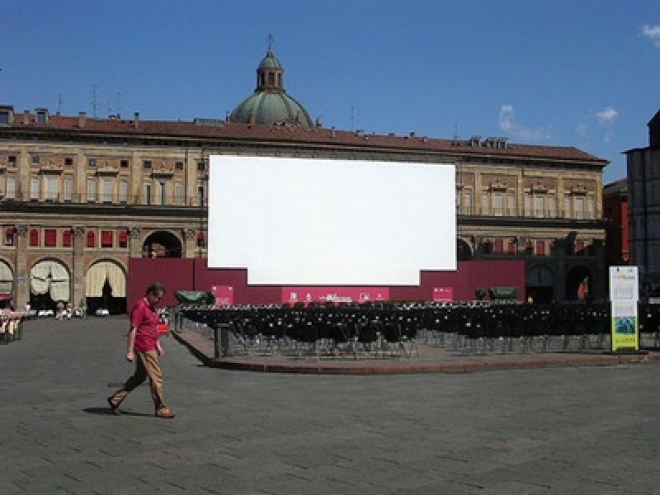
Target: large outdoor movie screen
[{"x": 292, "y": 221}]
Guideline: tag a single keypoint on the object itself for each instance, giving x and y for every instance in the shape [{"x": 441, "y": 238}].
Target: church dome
[{"x": 270, "y": 104}]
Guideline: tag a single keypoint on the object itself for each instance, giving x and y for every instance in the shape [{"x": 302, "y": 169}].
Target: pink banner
[
  {"x": 443, "y": 294},
  {"x": 224, "y": 295},
  {"x": 306, "y": 295}
]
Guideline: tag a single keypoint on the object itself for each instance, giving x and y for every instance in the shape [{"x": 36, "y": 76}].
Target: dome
[
  {"x": 270, "y": 104},
  {"x": 269, "y": 61},
  {"x": 264, "y": 107}
]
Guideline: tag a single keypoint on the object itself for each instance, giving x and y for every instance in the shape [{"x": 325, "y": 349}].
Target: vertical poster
[{"x": 624, "y": 294}]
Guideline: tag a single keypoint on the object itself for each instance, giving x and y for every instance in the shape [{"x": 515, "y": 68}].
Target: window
[
  {"x": 12, "y": 160},
  {"x": 11, "y": 188},
  {"x": 511, "y": 206},
  {"x": 485, "y": 204},
  {"x": 34, "y": 237},
  {"x": 591, "y": 213},
  {"x": 579, "y": 248},
  {"x": 498, "y": 247},
  {"x": 67, "y": 189},
  {"x": 50, "y": 237},
  {"x": 146, "y": 165},
  {"x": 512, "y": 247},
  {"x": 567, "y": 207},
  {"x": 201, "y": 239},
  {"x": 4, "y": 117},
  {"x": 552, "y": 207},
  {"x": 34, "y": 188},
  {"x": 66, "y": 238},
  {"x": 91, "y": 239},
  {"x": 146, "y": 195},
  {"x": 578, "y": 205},
  {"x": 161, "y": 198},
  {"x": 106, "y": 238},
  {"x": 91, "y": 162},
  {"x": 68, "y": 162},
  {"x": 42, "y": 117},
  {"x": 35, "y": 159},
  {"x": 467, "y": 203},
  {"x": 123, "y": 192},
  {"x": 91, "y": 190},
  {"x": 539, "y": 206},
  {"x": 200, "y": 194},
  {"x": 178, "y": 193},
  {"x": 201, "y": 166},
  {"x": 123, "y": 239},
  {"x": 540, "y": 248},
  {"x": 123, "y": 164},
  {"x": 178, "y": 166},
  {"x": 9, "y": 236},
  {"x": 498, "y": 204},
  {"x": 52, "y": 188},
  {"x": 107, "y": 190}
]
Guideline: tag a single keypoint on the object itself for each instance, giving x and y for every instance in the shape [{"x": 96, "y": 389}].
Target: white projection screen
[{"x": 292, "y": 221}]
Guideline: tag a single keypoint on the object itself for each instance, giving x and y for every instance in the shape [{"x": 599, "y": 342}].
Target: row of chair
[{"x": 396, "y": 328}]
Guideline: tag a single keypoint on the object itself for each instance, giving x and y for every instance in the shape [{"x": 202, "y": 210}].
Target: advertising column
[{"x": 624, "y": 294}]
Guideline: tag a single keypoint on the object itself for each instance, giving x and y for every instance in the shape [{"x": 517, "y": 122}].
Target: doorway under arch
[
  {"x": 540, "y": 284},
  {"x": 162, "y": 244},
  {"x": 50, "y": 283},
  {"x": 105, "y": 287}
]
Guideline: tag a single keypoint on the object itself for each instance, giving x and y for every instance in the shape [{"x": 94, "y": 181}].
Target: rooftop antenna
[
  {"x": 95, "y": 102},
  {"x": 118, "y": 104},
  {"x": 59, "y": 103},
  {"x": 352, "y": 117},
  {"x": 455, "y": 131}
]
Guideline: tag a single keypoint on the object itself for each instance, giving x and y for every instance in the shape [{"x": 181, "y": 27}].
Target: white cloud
[
  {"x": 652, "y": 33},
  {"x": 507, "y": 122},
  {"x": 607, "y": 115}
]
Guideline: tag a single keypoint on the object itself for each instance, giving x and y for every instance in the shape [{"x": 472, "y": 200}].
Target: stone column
[
  {"x": 135, "y": 242},
  {"x": 21, "y": 270},
  {"x": 190, "y": 237},
  {"x": 78, "y": 294}
]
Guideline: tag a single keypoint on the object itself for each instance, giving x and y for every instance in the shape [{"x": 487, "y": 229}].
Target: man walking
[{"x": 144, "y": 349}]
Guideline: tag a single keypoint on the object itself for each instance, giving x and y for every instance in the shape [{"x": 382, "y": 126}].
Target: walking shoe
[
  {"x": 165, "y": 414},
  {"x": 113, "y": 408}
]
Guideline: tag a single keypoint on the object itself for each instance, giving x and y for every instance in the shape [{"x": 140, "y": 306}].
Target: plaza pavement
[{"x": 570, "y": 428}]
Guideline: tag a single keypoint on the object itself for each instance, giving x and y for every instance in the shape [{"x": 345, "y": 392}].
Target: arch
[
  {"x": 50, "y": 277},
  {"x": 105, "y": 287},
  {"x": 100, "y": 272},
  {"x": 463, "y": 250},
  {"x": 6, "y": 278},
  {"x": 539, "y": 284},
  {"x": 578, "y": 281},
  {"x": 162, "y": 244}
]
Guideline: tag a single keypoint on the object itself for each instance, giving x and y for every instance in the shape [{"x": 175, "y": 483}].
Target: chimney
[
  {"x": 26, "y": 117},
  {"x": 82, "y": 118},
  {"x": 136, "y": 120}
]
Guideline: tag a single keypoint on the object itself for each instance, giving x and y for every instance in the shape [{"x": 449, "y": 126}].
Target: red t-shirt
[{"x": 145, "y": 319}]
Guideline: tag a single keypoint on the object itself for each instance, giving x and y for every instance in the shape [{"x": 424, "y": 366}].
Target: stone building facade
[{"x": 80, "y": 196}]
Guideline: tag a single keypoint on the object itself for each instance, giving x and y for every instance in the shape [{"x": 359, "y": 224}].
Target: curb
[{"x": 454, "y": 365}]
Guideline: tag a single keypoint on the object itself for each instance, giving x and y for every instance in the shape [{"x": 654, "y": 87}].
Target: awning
[
  {"x": 194, "y": 297},
  {"x": 503, "y": 292}
]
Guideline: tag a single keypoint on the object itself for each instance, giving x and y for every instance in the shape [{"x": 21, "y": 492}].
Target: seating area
[{"x": 396, "y": 330}]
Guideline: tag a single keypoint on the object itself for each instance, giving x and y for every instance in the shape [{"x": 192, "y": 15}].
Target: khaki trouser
[{"x": 146, "y": 366}]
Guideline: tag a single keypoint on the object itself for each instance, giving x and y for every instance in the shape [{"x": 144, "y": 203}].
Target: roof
[{"x": 294, "y": 135}]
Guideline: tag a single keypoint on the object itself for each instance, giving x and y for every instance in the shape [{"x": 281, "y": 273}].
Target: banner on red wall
[
  {"x": 224, "y": 295},
  {"x": 306, "y": 295},
  {"x": 443, "y": 294}
]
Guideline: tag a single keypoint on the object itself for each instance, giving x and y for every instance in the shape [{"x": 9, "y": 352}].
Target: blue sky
[{"x": 581, "y": 73}]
